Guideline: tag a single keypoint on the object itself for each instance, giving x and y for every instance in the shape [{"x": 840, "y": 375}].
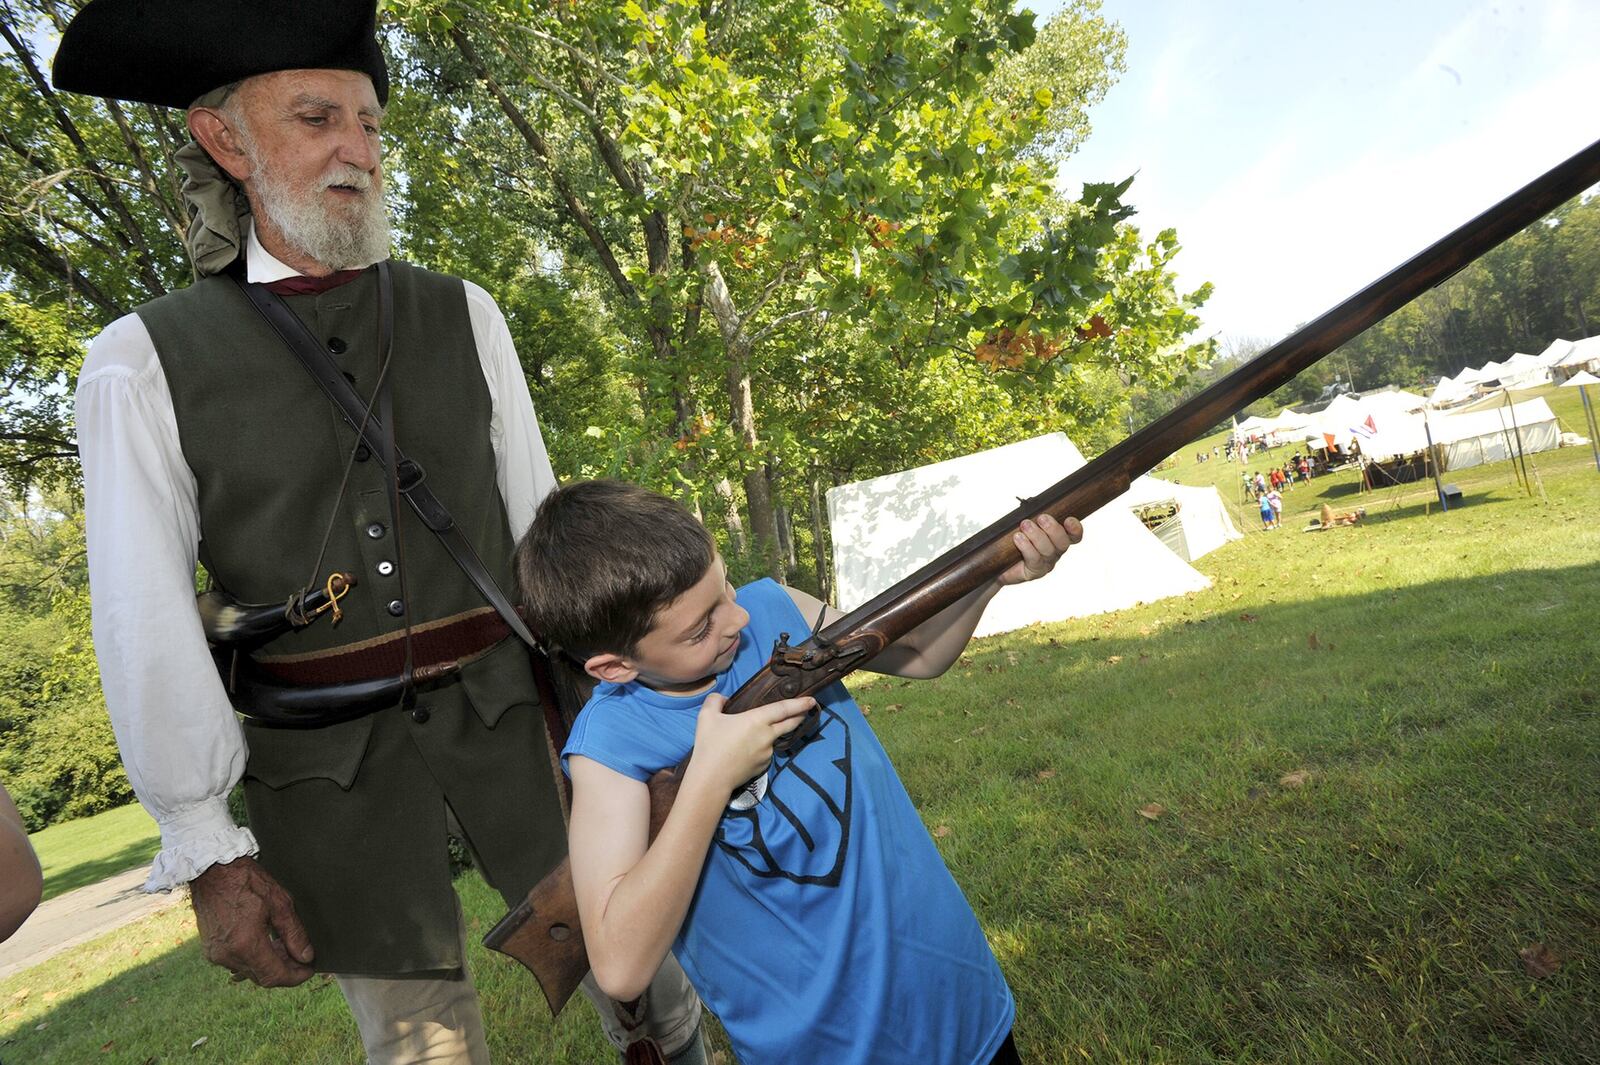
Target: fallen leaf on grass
[
  {"x": 105, "y": 1048},
  {"x": 41, "y": 1026},
  {"x": 1152, "y": 811},
  {"x": 1248, "y": 617},
  {"x": 1312, "y": 641},
  {"x": 1113, "y": 660},
  {"x": 1045, "y": 774},
  {"x": 51, "y": 996},
  {"x": 1539, "y": 960},
  {"x": 1295, "y": 779},
  {"x": 941, "y": 832},
  {"x": 198, "y": 1043}
]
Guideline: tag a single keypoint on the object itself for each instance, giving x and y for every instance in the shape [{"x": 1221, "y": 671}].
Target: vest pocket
[
  {"x": 283, "y": 756},
  {"x": 499, "y": 680}
]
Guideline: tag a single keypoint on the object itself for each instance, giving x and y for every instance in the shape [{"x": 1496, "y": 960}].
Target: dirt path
[{"x": 81, "y": 915}]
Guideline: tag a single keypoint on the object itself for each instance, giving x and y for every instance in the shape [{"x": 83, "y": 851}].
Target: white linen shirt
[{"x": 180, "y": 740}]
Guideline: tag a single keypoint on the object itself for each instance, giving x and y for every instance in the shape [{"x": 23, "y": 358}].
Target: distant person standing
[
  {"x": 1275, "y": 500},
  {"x": 1268, "y": 515}
]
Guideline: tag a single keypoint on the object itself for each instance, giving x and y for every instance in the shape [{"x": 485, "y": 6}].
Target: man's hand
[
  {"x": 248, "y": 925},
  {"x": 1042, "y": 542}
]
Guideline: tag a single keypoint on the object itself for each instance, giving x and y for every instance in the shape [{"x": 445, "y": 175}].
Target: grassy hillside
[{"x": 1318, "y": 812}]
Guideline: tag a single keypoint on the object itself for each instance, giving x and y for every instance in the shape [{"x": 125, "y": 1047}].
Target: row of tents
[
  {"x": 1558, "y": 362},
  {"x": 1394, "y": 424}
]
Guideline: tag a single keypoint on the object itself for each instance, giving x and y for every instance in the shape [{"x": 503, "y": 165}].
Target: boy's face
[{"x": 694, "y": 638}]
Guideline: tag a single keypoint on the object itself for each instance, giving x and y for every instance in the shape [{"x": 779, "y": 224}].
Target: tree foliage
[{"x": 746, "y": 252}]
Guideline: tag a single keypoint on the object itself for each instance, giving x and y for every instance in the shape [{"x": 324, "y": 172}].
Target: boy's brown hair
[{"x": 601, "y": 559}]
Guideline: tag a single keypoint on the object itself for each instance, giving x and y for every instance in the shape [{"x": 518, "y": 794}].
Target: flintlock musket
[{"x": 543, "y": 933}]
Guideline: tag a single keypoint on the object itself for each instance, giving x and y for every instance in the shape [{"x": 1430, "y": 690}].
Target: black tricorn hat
[{"x": 175, "y": 51}]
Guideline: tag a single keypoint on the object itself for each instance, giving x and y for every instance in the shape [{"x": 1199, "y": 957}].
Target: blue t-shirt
[{"x": 825, "y": 927}]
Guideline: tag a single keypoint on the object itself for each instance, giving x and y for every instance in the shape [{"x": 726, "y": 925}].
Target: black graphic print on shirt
[{"x": 800, "y": 831}]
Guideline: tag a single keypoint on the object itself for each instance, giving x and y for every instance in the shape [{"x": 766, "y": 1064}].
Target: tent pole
[
  {"x": 1432, "y": 460},
  {"x": 1588, "y": 412},
  {"x": 1511, "y": 455},
  {"x": 1522, "y": 457}
]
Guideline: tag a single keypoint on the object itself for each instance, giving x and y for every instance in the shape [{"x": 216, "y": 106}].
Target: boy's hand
[
  {"x": 730, "y": 749},
  {"x": 1042, "y": 542}
]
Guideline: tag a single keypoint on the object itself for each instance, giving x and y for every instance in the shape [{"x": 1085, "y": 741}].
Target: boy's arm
[
  {"x": 932, "y": 647},
  {"x": 632, "y": 893}
]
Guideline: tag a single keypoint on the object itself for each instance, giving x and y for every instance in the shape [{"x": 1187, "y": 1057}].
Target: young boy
[{"x": 812, "y": 911}]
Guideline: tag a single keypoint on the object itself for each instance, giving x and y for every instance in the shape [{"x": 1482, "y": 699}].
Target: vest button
[
  {"x": 420, "y": 715},
  {"x": 337, "y": 345},
  {"x": 362, "y": 454},
  {"x": 396, "y": 607},
  {"x": 376, "y": 530},
  {"x": 385, "y": 568}
]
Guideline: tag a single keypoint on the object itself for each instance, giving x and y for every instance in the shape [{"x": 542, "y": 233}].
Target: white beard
[{"x": 339, "y": 240}]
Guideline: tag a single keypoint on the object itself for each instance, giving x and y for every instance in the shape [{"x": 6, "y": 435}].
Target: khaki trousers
[{"x": 433, "y": 1018}]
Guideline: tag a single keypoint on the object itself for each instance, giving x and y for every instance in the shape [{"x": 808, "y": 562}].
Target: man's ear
[
  {"x": 211, "y": 129},
  {"x": 609, "y": 667}
]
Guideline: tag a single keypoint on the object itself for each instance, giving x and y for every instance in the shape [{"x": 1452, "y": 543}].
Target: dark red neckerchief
[{"x": 300, "y": 285}]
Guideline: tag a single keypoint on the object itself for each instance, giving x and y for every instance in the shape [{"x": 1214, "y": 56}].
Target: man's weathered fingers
[{"x": 293, "y": 941}]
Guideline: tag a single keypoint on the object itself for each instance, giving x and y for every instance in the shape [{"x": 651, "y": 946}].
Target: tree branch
[
  {"x": 781, "y": 321},
  {"x": 575, "y": 208},
  {"x": 177, "y": 218},
  {"x": 108, "y": 187}
]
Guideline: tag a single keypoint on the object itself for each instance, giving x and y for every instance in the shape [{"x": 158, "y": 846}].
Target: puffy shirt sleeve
[
  {"x": 181, "y": 744},
  {"x": 522, "y": 463}
]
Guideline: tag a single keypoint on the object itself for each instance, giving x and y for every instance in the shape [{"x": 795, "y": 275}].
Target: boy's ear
[{"x": 609, "y": 667}]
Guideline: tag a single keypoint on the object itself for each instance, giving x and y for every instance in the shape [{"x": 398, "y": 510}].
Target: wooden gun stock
[{"x": 543, "y": 933}]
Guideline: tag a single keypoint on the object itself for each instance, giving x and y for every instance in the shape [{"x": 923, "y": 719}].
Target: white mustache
[{"x": 348, "y": 177}]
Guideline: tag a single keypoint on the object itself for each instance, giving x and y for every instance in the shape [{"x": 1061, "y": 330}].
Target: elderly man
[{"x": 203, "y": 439}]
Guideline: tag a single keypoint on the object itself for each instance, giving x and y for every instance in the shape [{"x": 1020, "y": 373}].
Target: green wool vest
[{"x": 352, "y": 818}]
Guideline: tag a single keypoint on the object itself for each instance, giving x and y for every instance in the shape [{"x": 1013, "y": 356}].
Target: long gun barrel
[{"x": 543, "y": 931}]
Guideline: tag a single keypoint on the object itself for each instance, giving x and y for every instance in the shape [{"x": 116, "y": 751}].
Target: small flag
[{"x": 1368, "y": 428}]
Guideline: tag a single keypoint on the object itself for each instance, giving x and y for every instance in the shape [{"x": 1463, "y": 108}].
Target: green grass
[
  {"x": 88, "y": 850},
  {"x": 1434, "y": 675}
]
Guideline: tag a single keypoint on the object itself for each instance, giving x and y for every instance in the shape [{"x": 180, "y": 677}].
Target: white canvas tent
[
  {"x": 1346, "y": 417},
  {"x": 1523, "y": 371},
  {"x": 1581, "y": 355},
  {"x": 1452, "y": 390},
  {"x": 1468, "y": 439},
  {"x": 887, "y": 527},
  {"x": 1200, "y": 526}
]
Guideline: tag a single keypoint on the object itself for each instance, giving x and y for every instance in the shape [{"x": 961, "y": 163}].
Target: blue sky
[{"x": 1301, "y": 149}]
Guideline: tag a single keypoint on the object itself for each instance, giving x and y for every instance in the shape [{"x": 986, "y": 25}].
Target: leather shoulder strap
[{"x": 358, "y": 414}]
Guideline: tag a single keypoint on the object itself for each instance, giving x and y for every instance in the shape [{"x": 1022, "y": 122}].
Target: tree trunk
[
  {"x": 781, "y": 521},
  {"x": 819, "y": 539},
  {"x": 743, "y": 416},
  {"x": 730, "y": 511}
]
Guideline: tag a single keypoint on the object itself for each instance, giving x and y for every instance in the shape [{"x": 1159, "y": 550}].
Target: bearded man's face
[{"x": 316, "y": 180}]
